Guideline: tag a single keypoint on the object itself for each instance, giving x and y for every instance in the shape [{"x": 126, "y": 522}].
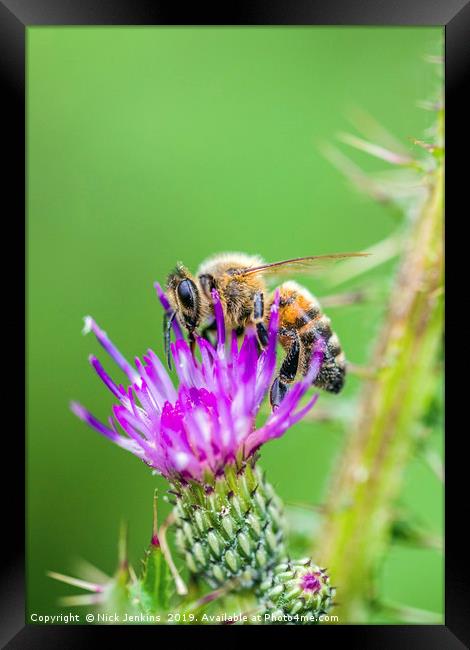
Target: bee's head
[{"x": 184, "y": 297}]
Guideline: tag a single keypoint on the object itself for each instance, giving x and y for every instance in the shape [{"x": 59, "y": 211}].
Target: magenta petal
[
  {"x": 85, "y": 415},
  {"x": 156, "y": 372},
  {"x": 219, "y": 318},
  {"x": 132, "y": 427},
  {"x": 186, "y": 368},
  {"x": 106, "y": 379},
  {"x": 90, "y": 325}
]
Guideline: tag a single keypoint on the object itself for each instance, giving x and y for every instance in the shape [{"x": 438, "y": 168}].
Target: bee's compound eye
[{"x": 187, "y": 293}]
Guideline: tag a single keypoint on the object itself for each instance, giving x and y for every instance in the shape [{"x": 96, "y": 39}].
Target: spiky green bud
[
  {"x": 297, "y": 592},
  {"x": 231, "y": 528}
]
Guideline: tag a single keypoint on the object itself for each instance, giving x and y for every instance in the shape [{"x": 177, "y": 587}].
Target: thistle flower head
[
  {"x": 207, "y": 421},
  {"x": 297, "y": 588}
]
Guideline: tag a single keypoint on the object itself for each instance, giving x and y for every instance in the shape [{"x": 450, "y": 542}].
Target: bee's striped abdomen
[{"x": 301, "y": 315}]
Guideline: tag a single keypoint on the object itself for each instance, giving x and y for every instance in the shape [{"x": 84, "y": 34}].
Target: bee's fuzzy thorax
[{"x": 222, "y": 262}]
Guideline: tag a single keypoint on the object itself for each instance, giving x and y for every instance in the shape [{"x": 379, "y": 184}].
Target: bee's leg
[
  {"x": 167, "y": 321},
  {"x": 258, "y": 313},
  {"x": 277, "y": 393},
  {"x": 192, "y": 342},
  {"x": 287, "y": 372},
  {"x": 211, "y": 327}
]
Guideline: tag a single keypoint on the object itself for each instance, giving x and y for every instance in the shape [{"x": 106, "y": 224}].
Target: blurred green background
[{"x": 150, "y": 145}]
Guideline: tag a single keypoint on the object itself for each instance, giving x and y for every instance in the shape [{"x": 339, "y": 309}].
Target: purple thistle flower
[
  {"x": 311, "y": 582},
  {"x": 208, "y": 421}
]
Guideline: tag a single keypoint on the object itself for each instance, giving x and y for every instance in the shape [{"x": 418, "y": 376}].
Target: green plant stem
[{"x": 359, "y": 509}]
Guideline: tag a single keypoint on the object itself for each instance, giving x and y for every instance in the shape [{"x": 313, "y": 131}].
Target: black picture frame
[{"x": 15, "y": 17}]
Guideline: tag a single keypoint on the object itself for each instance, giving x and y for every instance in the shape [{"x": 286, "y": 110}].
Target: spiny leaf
[
  {"x": 155, "y": 586},
  {"x": 81, "y": 600},
  {"x": 362, "y": 181},
  {"x": 436, "y": 150},
  {"x": 430, "y": 105},
  {"x": 373, "y": 130},
  {"x": 154, "y": 589},
  {"x": 76, "y": 582},
  {"x": 90, "y": 572},
  {"x": 380, "y": 253},
  {"x": 376, "y": 150}
]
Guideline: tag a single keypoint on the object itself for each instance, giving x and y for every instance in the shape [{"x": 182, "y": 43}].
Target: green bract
[{"x": 231, "y": 528}]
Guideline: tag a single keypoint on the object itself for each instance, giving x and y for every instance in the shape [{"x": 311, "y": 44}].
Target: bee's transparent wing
[{"x": 299, "y": 265}]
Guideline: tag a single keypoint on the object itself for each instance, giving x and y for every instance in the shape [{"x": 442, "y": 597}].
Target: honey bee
[{"x": 241, "y": 282}]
